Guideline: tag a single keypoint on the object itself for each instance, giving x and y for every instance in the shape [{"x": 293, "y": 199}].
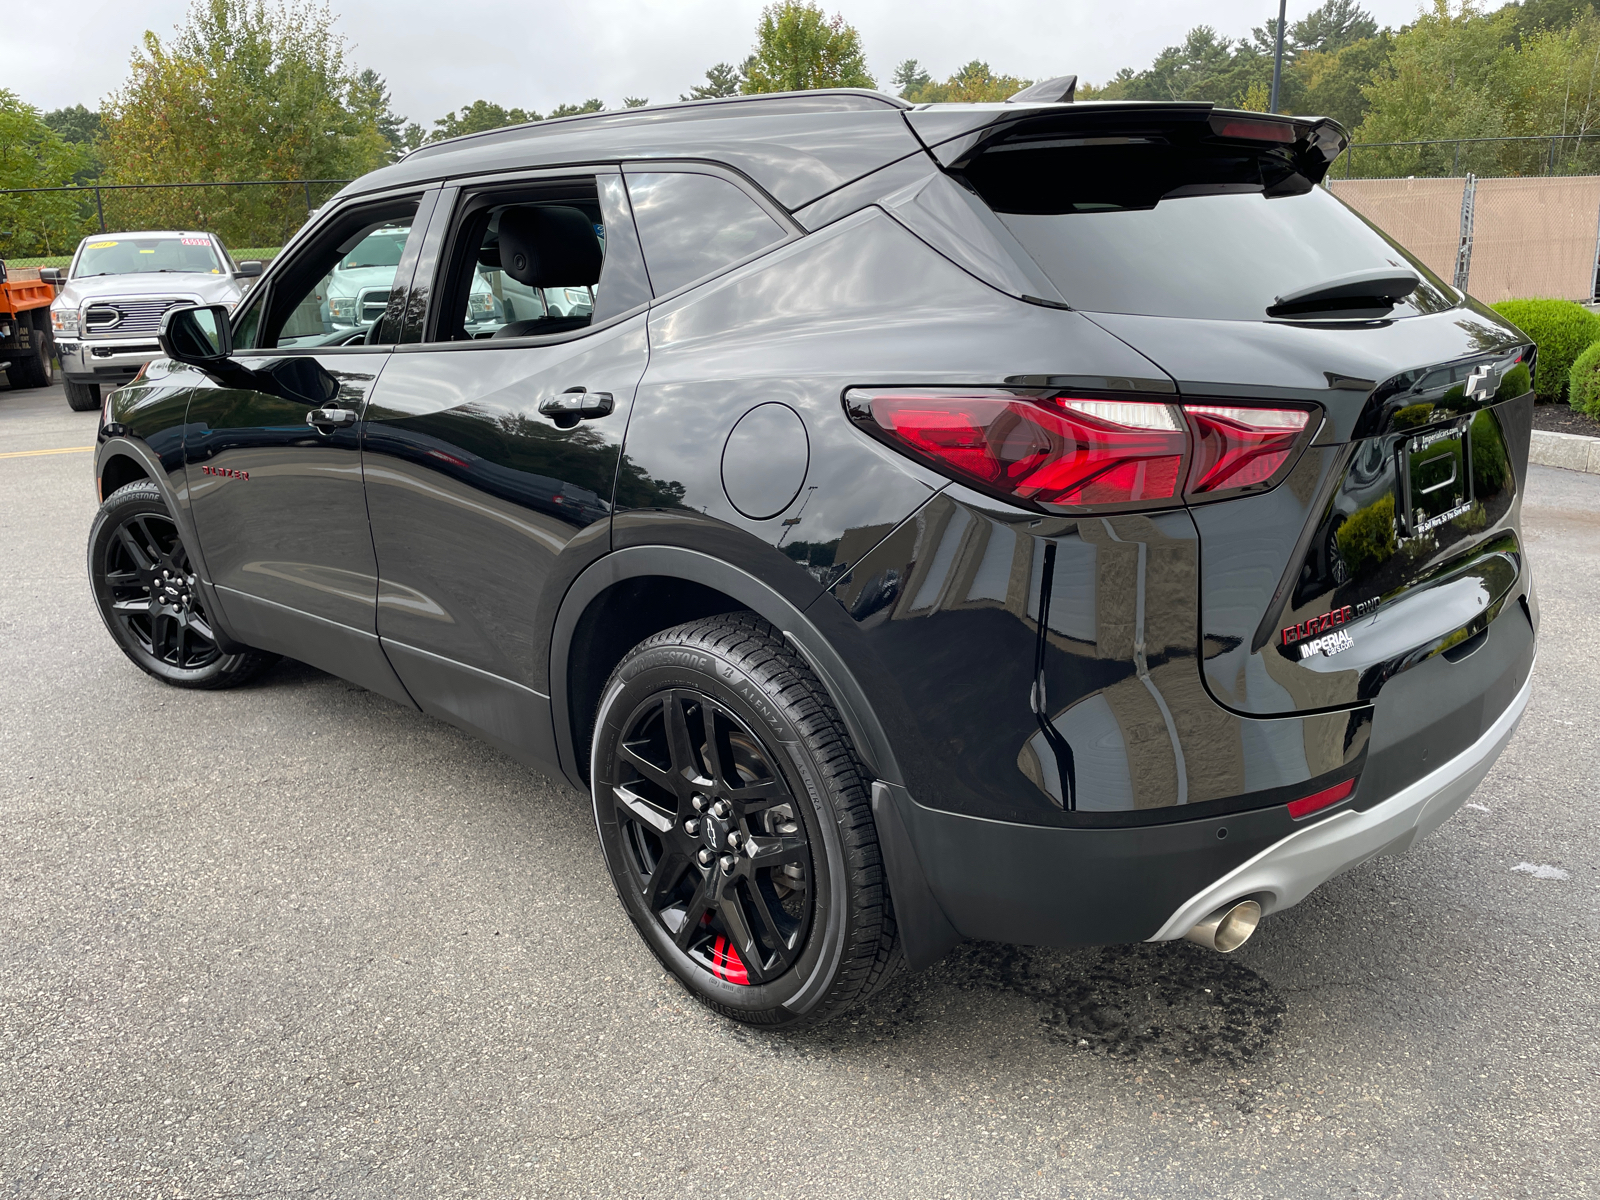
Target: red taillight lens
[
  {"x": 1307, "y": 805},
  {"x": 1047, "y": 450},
  {"x": 1239, "y": 447},
  {"x": 1076, "y": 452}
]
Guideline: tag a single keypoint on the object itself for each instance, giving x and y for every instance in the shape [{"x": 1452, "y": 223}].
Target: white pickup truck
[{"x": 117, "y": 288}]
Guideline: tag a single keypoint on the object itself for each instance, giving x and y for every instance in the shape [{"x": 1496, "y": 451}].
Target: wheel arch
[
  {"x": 654, "y": 588},
  {"x": 118, "y": 470}
]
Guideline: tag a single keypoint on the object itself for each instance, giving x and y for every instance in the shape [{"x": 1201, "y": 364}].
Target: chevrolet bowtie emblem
[{"x": 1483, "y": 381}]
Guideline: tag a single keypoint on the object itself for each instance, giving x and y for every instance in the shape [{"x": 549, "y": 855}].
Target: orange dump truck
[{"x": 26, "y": 345}]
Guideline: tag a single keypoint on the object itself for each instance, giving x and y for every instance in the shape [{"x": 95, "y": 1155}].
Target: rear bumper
[
  {"x": 1287, "y": 872},
  {"x": 1057, "y": 886}
]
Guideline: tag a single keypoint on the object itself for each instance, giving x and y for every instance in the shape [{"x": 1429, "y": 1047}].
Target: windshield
[
  {"x": 381, "y": 249},
  {"x": 130, "y": 255}
]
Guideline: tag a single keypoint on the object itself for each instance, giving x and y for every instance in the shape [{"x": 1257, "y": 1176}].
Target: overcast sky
[{"x": 439, "y": 56}]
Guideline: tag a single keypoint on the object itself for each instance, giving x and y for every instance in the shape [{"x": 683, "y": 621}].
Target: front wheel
[
  {"x": 83, "y": 397},
  {"x": 145, "y": 588},
  {"x": 735, "y": 822}
]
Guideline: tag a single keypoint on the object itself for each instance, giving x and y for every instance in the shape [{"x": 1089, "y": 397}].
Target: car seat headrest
[{"x": 549, "y": 246}]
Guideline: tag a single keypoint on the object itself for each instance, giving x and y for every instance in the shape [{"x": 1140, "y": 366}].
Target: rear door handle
[
  {"x": 330, "y": 418},
  {"x": 576, "y": 405}
]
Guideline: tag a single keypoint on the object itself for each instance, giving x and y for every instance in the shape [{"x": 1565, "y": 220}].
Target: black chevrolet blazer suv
[{"x": 1046, "y": 522}]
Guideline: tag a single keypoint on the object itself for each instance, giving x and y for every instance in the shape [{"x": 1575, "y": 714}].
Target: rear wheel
[
  {"x": 736, "y": 824},
  {"x": 34, "y": 370},
  {"x": 83, "y": 397},
  {"x": 145, "y": 588}
]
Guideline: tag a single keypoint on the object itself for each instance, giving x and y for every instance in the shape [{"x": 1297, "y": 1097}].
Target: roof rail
[{"x": 760, "y": 104}]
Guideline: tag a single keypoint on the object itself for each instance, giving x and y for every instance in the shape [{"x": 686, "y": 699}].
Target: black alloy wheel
[
  {"x": 148, "y": 595},
  {"x": 711, "y": 839},
  {"x": 736, "y": 824}
]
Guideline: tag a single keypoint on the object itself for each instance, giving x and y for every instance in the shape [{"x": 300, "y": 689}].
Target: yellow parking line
[{"x": 31, "y": 453}]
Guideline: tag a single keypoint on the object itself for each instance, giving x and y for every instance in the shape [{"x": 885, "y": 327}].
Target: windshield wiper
[{"x": 1360, "y": 293}]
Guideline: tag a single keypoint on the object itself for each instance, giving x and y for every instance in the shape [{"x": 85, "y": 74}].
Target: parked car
[
  {"x": 117, "y": 288},
  {"x": 921, "y": 534}
]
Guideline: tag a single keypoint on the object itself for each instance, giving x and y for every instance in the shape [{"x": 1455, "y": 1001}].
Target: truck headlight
[
  {"x": 342, "y": 308},
  {"x": 64, "y": 320}
]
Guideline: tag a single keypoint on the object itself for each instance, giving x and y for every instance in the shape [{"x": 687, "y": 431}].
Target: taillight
[
  {"x": 1240, "y": 447},
  {"x": 1051, "y": 450}
]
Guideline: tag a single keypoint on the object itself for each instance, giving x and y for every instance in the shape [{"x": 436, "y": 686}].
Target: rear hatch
[{"x": 1202, "y": 239}]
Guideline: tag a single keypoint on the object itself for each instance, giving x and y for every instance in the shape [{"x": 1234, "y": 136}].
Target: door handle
[
  {"x": 330, "y": 418},
  {"x": 576, "y": 404}
]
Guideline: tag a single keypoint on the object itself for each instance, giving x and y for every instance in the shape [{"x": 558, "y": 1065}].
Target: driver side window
[{"x": 337, "y": 290}]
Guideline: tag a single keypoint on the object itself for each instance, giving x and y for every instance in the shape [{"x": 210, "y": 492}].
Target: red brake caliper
[{"x": 726, "y": 963}]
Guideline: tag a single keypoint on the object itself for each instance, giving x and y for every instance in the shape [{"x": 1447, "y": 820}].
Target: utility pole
[{"x": 1277, "y": 59}]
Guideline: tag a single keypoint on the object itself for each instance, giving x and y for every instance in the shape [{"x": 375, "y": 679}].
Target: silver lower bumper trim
[{"x": 1286, "y": 872}]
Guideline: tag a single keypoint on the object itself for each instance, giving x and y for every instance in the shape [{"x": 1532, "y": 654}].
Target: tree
[
  {"x": 76, "y": 124},
  {"x": 479, "y": 117},
  {"x": 724, "y": 79},
  {"x": 910, "y": 79},
  {"x": 1333, "y": 83},
  {"x": 799, "y": 48},
  {"x": 369, "y": 96},
  {"x": 576, "y": 110},
  {"x": 974, "y": 83},
  {"x": 1332, "y": 27},
  {"x": 34, "y": 155},
  {"x": 244, "y": 91},
  {"x": 635, "y": 101}
]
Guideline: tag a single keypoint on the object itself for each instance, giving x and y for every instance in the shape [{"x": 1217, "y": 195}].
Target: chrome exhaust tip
[{"x": 1227, "y": 929}]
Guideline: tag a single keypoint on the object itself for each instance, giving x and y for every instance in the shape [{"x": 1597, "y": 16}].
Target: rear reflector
[
  {"x": 1050, "y": 450},
  {"x": 1307, "y": 805}
]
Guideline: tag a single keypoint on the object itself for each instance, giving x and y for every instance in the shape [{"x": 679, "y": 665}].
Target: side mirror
[
  {"x": 249, "y": 270},
  {"x": 199, "y": 336},
  {"x": 50, "y": 274}
]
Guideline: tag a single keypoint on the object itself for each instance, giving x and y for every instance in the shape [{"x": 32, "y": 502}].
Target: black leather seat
[{"x": 548, "y": 246}]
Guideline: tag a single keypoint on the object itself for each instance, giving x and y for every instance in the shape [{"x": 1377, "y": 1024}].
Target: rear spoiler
[{"x": 956, "y": 134}]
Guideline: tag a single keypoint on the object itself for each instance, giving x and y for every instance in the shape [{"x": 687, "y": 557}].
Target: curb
[{"x": 1573, "y": 451}]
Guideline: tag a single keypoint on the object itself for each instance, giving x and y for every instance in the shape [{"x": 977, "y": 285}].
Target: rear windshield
[
  {"x": 1179, "y": 234},
  {"x": 132, "y": 255}
]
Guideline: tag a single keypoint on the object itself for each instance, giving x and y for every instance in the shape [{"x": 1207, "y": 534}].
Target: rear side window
[
  {"x": 692, "y": 225},
  {"x": 1181, "y": 222}
]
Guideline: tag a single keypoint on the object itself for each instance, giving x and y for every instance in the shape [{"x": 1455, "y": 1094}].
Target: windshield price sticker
[{"x": 194, "y": 241}]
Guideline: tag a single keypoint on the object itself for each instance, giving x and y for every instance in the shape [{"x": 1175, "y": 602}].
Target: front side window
[
  {"x": 691, "y": 225},
  {"x": 337, "y": 289},
  {"x": 158, "y": 254}
]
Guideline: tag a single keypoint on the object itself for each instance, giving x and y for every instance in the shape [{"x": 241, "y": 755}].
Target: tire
[
  {"x": 146, "y": 592},
  {"x": 83, "y": 397},
  {"x": 36, "y": 370},
  {"x": 787, "y": 922}
]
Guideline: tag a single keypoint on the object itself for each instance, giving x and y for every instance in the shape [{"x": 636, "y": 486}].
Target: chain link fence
[
  {"x": 255, "y": 213},
  {"x": 1560, "y": 154}
]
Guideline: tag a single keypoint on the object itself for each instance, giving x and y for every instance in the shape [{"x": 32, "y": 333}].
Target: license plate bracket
[{"x": 1435, "y": 470}]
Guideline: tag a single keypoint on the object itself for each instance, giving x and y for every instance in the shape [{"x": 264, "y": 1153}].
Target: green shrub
[
  {"x": 1561, "y": 329},
  {"x": 1584, "y": 382}
]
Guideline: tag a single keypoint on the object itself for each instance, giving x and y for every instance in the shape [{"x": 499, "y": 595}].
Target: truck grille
[
  {"x": 124, "y": 318},
  {"x": 374, "y": 302}
]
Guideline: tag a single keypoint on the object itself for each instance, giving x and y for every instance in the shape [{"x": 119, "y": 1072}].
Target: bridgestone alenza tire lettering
[{"x": 735, "y": 821}]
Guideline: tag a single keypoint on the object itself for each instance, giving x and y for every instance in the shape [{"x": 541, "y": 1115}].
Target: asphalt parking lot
[{"x": 293, "y": 940}]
